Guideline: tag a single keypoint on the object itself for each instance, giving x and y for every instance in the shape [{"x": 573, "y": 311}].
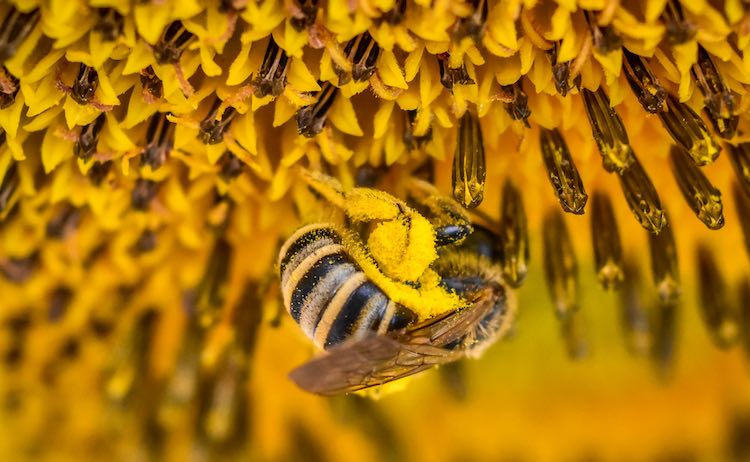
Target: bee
[{"x": 371, "y": 305}]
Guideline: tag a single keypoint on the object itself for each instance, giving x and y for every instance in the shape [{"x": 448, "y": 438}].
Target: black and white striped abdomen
[{"x": 328, "y": 294}]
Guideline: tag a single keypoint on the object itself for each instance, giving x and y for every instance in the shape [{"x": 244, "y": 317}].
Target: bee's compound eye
[{"x": 450, "y": 234}]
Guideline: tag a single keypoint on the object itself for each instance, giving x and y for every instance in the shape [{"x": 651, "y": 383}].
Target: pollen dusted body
[{"x": 400, "y": 295}]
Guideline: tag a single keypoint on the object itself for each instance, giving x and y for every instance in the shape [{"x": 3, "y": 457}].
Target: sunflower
[{"x": 149, "y": 171}]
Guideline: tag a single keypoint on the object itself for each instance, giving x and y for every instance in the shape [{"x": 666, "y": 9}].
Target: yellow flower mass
[{"x": 152, "y": 159}]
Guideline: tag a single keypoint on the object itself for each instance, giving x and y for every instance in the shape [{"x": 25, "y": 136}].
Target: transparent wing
[{"x": 380, "y": 359}]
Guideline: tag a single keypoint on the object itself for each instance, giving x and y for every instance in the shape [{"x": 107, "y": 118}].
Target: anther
[
  {"x": 143, "y": 192},
  {"x": 560, "y": 265},
  {"x": 362, "y": 51},
  {"x": 472, "y": 25},
  {"x": 85, "y": 85},
  {"x": 411, "y": 140},
  {"x": 110, "y": 23},
  {"x": 607, "y": 243},
  {"x": 305, "y": 14},
  {"x": 159, "y": 141},
  {"x": 15, "y": 28},
  {"x": 173, "y": 42},
  {"x": 312, "y": 118},
  {"x": 642, "y": 198},
  {"x": 664, "y": 265},
  {"x": 212, "y": 129},
  {"x": 739, "y": 155},
  {"x": 562, "y": 172},
  {"x": 516, "y": 102},
  {"x": 688, "y": 130},
  {"x": 450, "y": 76},
  {"x": 643, "y": 82},
  {"x": 514, "y": 236},
  {"x": 718, "y": 99},
  {"x": 604, "y": 37},
  {"x": 700, "y": 194},
  {"x": 608, "y": 131},
  {"x": 271, "y": 78},
  {"x": 678, "y": 29},
  {"x": 85, "y": 147},
  {"x": 719, "y": 315},
  {"x": 469, "y": 164}
]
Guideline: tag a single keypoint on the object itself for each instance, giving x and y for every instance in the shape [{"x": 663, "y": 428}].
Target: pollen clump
[{"x": 403, "y": 247}]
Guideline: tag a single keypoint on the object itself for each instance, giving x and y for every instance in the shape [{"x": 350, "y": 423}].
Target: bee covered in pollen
[{"x": 389, "y": 288}]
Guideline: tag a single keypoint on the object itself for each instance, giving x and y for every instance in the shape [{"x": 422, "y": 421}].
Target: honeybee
[{"x": 392, "y": 288}]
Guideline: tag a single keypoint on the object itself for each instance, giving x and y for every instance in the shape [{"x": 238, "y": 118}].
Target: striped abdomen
[{"x": 328, "y": 294}]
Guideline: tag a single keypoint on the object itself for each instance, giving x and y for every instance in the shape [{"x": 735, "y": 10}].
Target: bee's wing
[
  {"x": 367, "y": 363},
  {"x": 380, "y": 359}
]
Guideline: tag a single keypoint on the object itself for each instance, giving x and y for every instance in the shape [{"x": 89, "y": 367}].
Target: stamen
[
  {"x": 84, "y": 86},
  {"x": 688, "y": 130},
  {"x": 58, "y": 303},
  {"x": 362, "y": 52},
  {"x": 146, "y": 242},
  {"x": 605, "y": 38},
  {"x": 718, "y": 314},
  {"x": 469, "y": 165},
  {"x": 412, "y": 141},
  {"x": 562, "y": 172},
  {"x": 665, "y": 338},
  {"x": 85, "y": 147},
  {"x": 395, "y": 15},
  {"x": 678, "y": 29},
  {"x": 516, "y": 102},
  {"x": 9, "y": 86},
  {"x": 450, "y": 76},
  {"x": 514, "y": 236},
  {"x": 110, "y": 24},
  {"x": 211, "y": 129},
  {"x": 607, "y": 244},
  {"x": 472, "y": 25},
  {"x": 159, "y": 141},
  {"x": 8, "y": 186},
  {"x": 231, "y": 166},
  {"x": 742, "y": 204},
  {"x": 608, "y": 131},
  {"x": 310, "y": 119},
  {"x": 664, "y": 268},
  {"x": 739, "y": 155},
  {"x": 271, "y": 78},
  {"x": 14, "y": 30},
  {"x": 743, "y": 297},
  {"x": 63, "y": 223},
  {"x": 644, "y": 84},
  {"x": 173, "y": 42},
  {"x": 143, "y": 193},
  {"x": 19, "y": 270},
  {"x": 151, "y": 84},
  {"x": 130, "y": 358},
  {"x": 99, "y": 172},
  {"x": 634, "y": 315},
  {"x": 718, "y": 99},
  {"x": 574, "y": 336},
  {"x": 232, "y": 6},
  {"x": 700, "y": 194},
  {"x": 560, "y": 265},
  {"x": 560, "y": 71},
  {"x": 305, "y": 14},
  {"x": 642, "y": 197},
  {"x": 211, "y": 289}
]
